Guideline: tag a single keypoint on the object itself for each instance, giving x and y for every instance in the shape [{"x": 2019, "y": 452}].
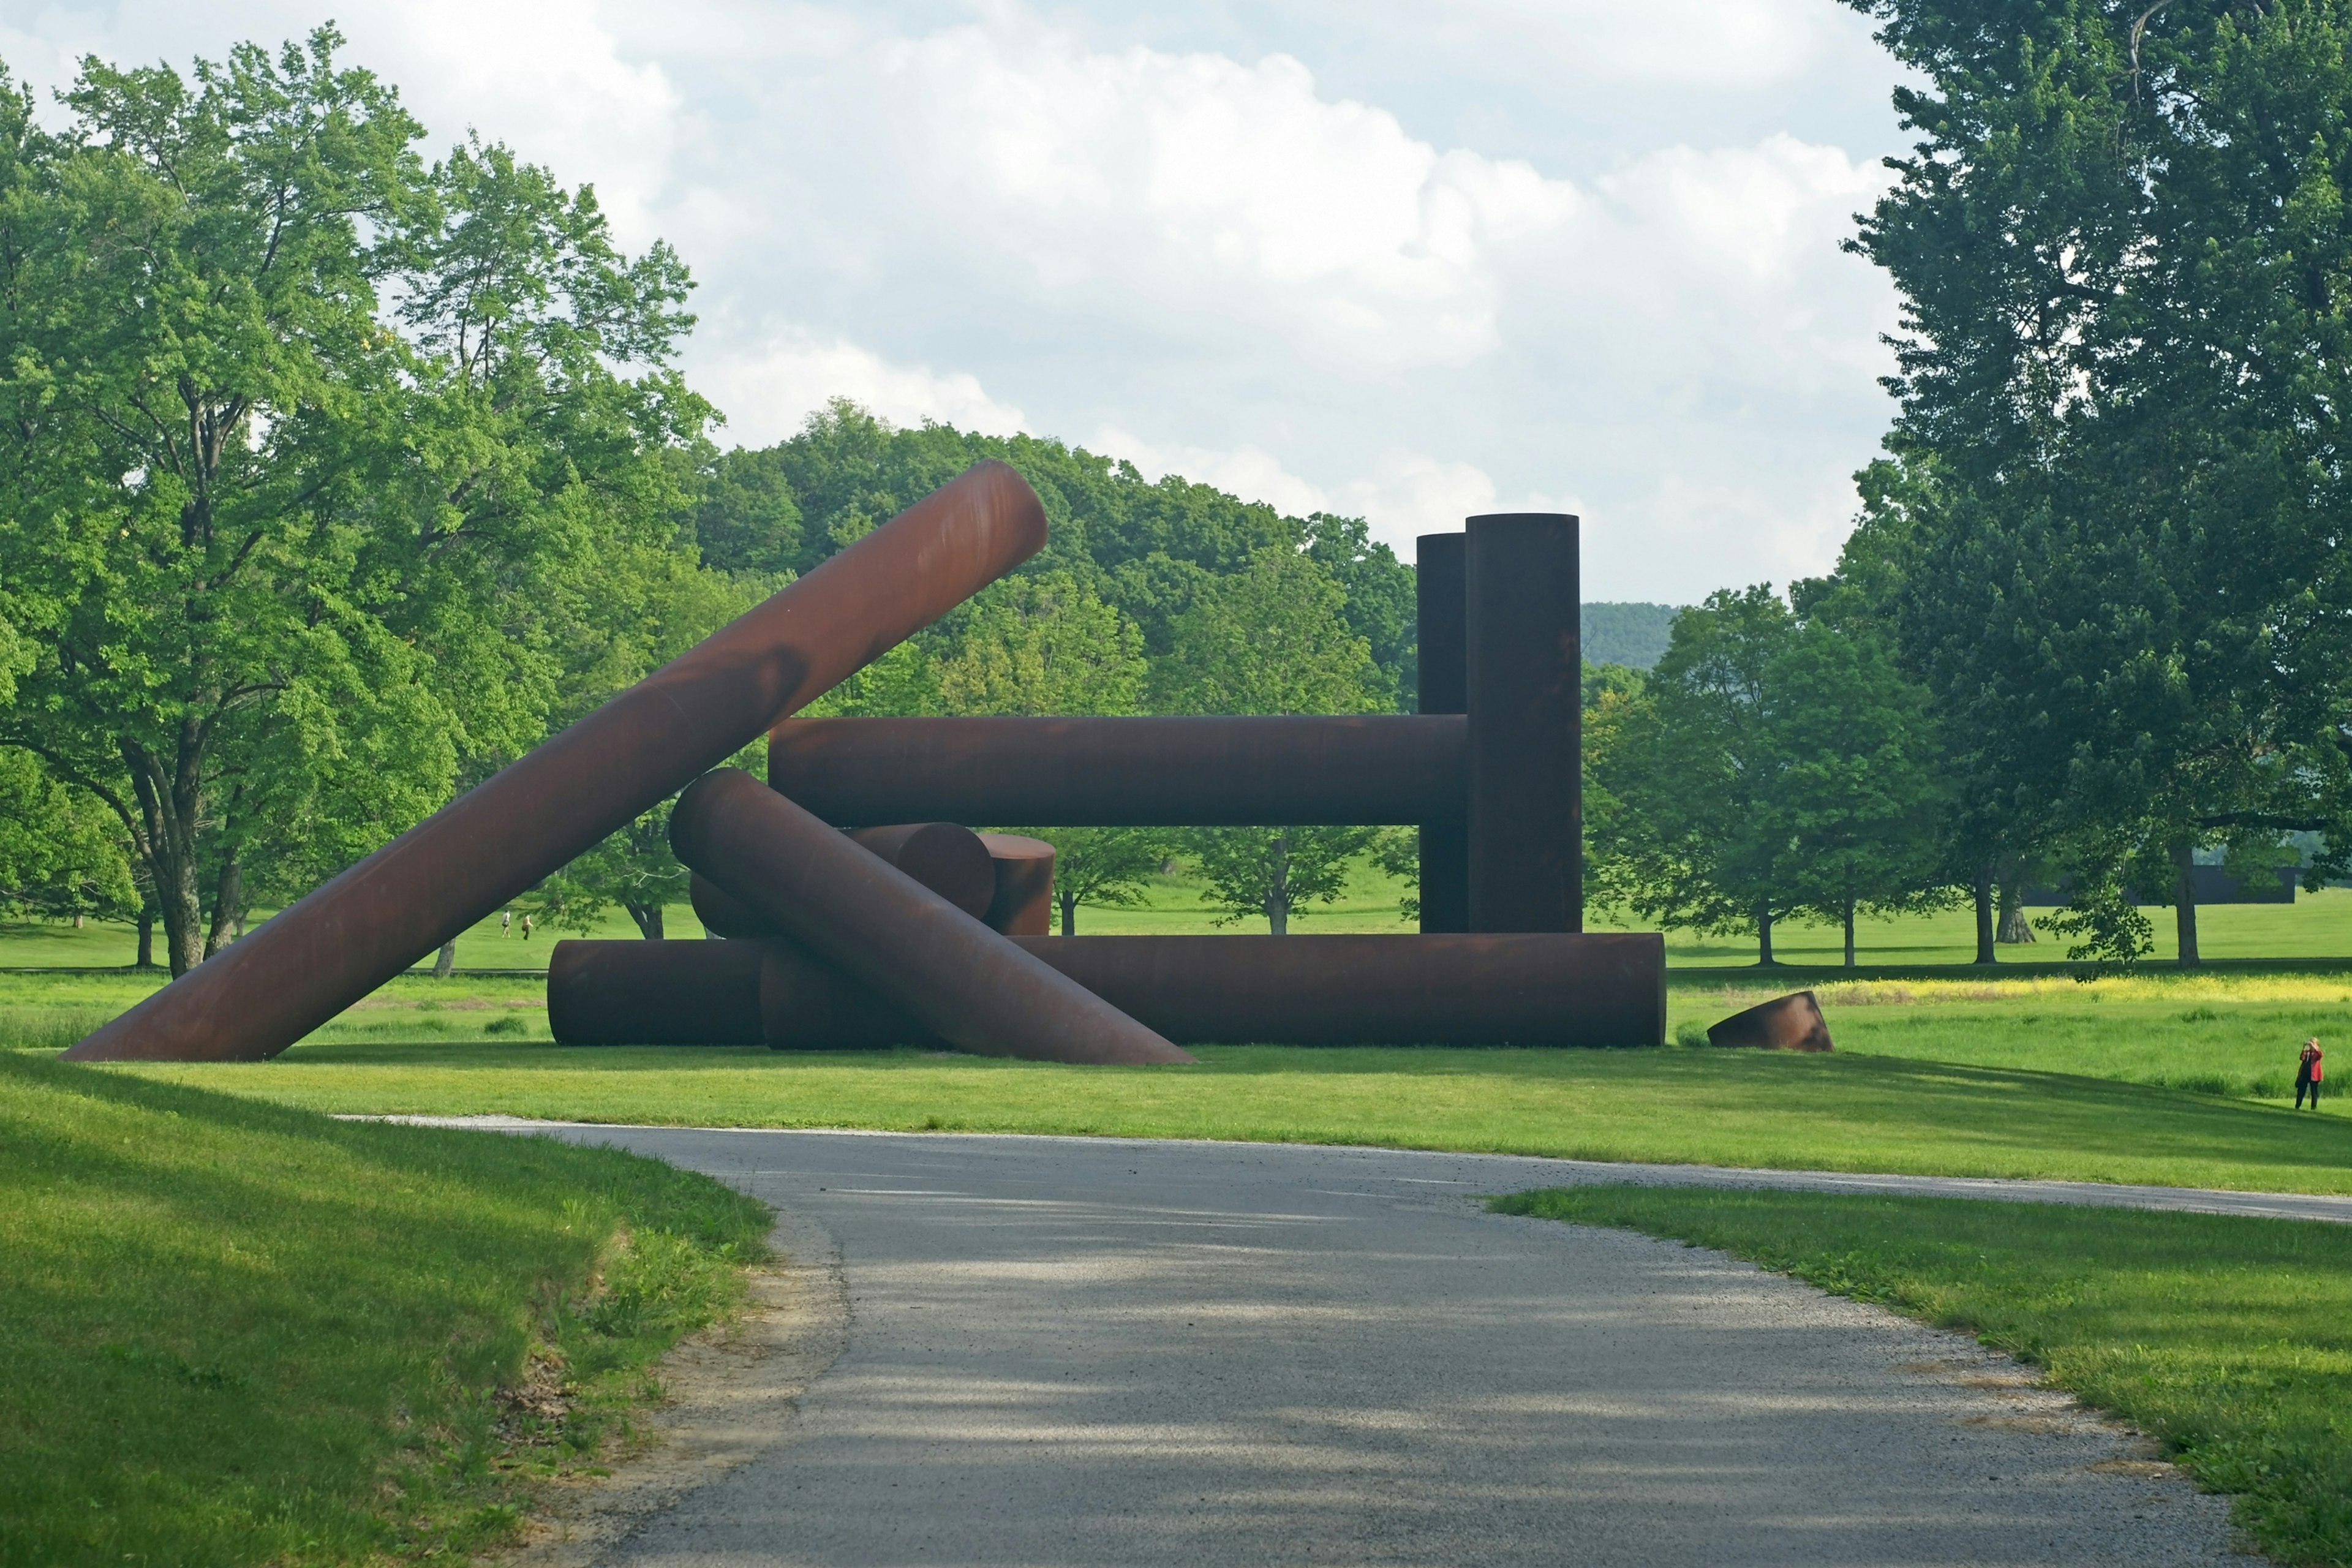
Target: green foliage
[
  {"x": 60, "y": 851},
  {"x": 1042, "y": 644},
  {"x": 314, "y": 461},
  {"x": 1103, "y": 865},
  {"x": 2120, "y": 245},
  {"x": 241, "y": 1334},
  {"x": 2221, "y": 1337},
  {"x": 1767, "y": 765}
]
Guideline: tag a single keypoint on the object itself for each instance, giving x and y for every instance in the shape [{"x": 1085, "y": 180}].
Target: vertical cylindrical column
[
  {"x": 1438, "y": 613},
  {"x": 1523, "y": 677}
]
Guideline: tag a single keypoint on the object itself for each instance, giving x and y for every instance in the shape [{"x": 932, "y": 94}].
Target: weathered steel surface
[
  {"x": 1791, "y": 1023},
  {"x": 1524, "y": 680},
  {"x": 951, "y": 861},
  {"x": 904, "y": 944},
  {"x": 1460, "y": 989},
  {"x": 1079, "y": 772},
  {"x": 1024, "y": 904},
  {"x": 297, "y": 970},
  {"x": 1442, "y": 689},
  {"x": 655, "y": 993}
]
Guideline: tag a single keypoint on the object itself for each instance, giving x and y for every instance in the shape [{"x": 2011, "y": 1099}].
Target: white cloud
[
  {"x": 1206, "y": 255},
  {"x": 768, "y": 395}
]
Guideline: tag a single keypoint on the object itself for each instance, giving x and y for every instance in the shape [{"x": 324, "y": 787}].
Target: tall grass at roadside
[
  {"x": 2229, "y": 1340},
  {"x": 49, "y": 1028},
  {"x": 237, "y": 1333}
]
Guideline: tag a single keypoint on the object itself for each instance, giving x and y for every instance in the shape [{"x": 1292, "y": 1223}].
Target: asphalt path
[{"x": 1104, "y": 1351}]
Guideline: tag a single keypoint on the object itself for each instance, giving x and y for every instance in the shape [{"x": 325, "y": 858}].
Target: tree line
[{"x": 2096, "y": 614}]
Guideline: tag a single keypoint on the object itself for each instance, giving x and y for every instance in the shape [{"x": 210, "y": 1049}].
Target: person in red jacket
[{"x": 2308, "y": 1074}]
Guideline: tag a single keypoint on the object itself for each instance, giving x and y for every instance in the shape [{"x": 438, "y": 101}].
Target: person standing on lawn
[{"x": 2308, "y": 1074}]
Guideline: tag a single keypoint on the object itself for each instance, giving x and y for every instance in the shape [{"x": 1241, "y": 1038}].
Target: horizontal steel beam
[
  {"x": 1086, "y": 773},
  {"x": 1452, "y": 989}
]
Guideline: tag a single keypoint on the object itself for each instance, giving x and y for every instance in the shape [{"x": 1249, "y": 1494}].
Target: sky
[{"x": 1402, "y": 261}]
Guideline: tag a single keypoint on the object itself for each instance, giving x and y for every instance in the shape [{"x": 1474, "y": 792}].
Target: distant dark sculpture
[
  {"x": 1791, "y": 1023},
  {"x": 912, "y": 929}
]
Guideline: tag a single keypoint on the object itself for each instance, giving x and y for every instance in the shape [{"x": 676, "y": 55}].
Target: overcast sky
[{"x": 1405, "y": 260}]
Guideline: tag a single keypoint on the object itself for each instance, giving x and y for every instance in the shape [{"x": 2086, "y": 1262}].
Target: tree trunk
[
  {"x": 1069, "y": 912},
  {"x": 146, "y": 959},
  {"x": 170, "y": 799},
  {"x": 649, "y": 918},
  {"x": 1764, "y": 934},
  {"x": 228, "y": 894},
  {"x": 2015, "y": 927},
  {"x": 446, "y": 960},
  {"x": 1849, "y": 930},
  {"x": 1985, "y": 953},
  {"x": 2184, "y": 902},
  {"x": 1277, "y": 891}
]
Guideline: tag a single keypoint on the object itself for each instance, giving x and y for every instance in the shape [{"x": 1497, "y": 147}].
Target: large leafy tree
[
  {"x": 1769, "y": 764},
  {"x": 2123, "y": 249},
  {"x": 1273, "y": 638},
  {"x": 314, "y": 460}
]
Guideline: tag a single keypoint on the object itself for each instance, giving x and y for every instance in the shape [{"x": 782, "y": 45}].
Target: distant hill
[{"x": 1633, "y": 635}]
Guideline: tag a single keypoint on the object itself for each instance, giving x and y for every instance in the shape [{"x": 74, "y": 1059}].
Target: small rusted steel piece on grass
[
  {"x": 1452, "y": 989},
  {"x": 1127, "y": 771},
  {"x": 308, "y": 963},
  {"x": 908, "y": 947},
  {"x": 1791, "y": 1023},
  {"x": 1024, "y": 904}
]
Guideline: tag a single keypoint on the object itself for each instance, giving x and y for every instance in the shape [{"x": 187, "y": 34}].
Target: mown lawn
[
  {"x": 2228, "y": 1339},
  {"x": 237, "y": 1333},
  {"x": 1736, "y": 1107}
]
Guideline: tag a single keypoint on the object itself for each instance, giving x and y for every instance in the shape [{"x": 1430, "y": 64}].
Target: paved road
[{"x": 1089, "y": 1352}]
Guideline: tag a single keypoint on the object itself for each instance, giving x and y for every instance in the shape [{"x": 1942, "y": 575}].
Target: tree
[
  {"x": 1039, "y": 645},
  {"x": 2119, "y": 246},
  {"x": 62, "y": 853},
  {"x": 293, "y": 562},
  {"x": 1105, "y": 865},
  {"x": 1769, "y": 764},
  {"x": 1271, "y": 639},
  {"x": 1694, "y": 837},
  {"x": 1859, "y": 782}
]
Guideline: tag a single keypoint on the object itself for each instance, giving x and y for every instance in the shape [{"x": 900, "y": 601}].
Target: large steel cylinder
[
  {"x": 299, "y": 969},
  {"x": 1024, "y": 904},
  {"x": 655, "y": 993},
  {"x": 1523, "y": 673},
  {"x": 951, "y": 861},
  {"x": 1151, "y": 773},
  {"x": 1457, "y": 989},
  {"x": 1443, "y": 687},
  {"x": 905, "y": 944}
]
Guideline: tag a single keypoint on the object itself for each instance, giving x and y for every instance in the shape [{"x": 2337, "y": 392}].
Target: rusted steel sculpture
[
  {"x": 1791, "y": 1023},
  {"x": 1024, "y": 904},
  {"x": 1536, "y": 989},
  {"x": 299, "y": 969},
  {"x": 1442, "y": 687},
  {"x": 1083, "y": 773},
  {"x": 905, "y": 944},
  {"x": 655, "y": 993},
  {"x": 1523, "y": 676}
]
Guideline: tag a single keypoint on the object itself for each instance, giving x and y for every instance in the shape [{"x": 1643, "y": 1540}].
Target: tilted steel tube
[
  {"x": 1156, "y": 773},
  {"x": 296, "y": 970},
  {"x": 903, "y": 943}
]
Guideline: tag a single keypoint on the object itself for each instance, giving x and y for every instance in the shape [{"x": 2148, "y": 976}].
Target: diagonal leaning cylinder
[
  {"x": 294, "y": 973},
  {"x": 970, "y": 986}
]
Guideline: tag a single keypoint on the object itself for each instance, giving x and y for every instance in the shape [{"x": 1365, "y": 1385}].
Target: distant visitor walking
[
  {"x": 506, "y": 919},
  {"x": 526, "y": 928},
  {"x": 2308, "y": 1074}
]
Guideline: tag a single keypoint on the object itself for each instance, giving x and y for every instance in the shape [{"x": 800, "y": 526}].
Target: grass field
[
  {"x": 237, "y": 1333},
  {"x": 2315, "y": 926},
  {"x": 2228, "y": 1339},
  {"x": 1840, "y": 1112}
]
